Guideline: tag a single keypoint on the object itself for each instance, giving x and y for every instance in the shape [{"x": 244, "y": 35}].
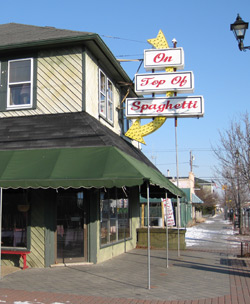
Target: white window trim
[
  {"x": 106, "y": 115},
  {"x": 24, "y": 106}
]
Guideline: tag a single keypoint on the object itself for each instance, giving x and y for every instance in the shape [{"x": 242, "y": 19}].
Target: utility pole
[
  {"x": 191, "y": 161},
  {"x": 237, "y": 155}
]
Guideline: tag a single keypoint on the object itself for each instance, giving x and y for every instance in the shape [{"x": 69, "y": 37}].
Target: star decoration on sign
[{"x": 159, "y": 42}]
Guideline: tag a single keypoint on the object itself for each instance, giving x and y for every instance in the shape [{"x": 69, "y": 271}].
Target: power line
[
  {"x": 167, "y": 164},
  {"x": 183, "y": 150},
  {"x": 134, "y": 55},
  {"x": 112, "y": 37}
]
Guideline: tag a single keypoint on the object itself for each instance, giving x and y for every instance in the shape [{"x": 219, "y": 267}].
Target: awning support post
[
  {"x": 166, "y": 230},
  {"x": 148, "y": 237},
  {"x": 178, "y": 223},
  {"x": 1, "y": 194}
]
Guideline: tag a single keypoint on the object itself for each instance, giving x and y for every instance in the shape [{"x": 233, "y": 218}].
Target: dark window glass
[
  {"x": 114, "y": 217},
  {"x": 15, "y": 218}
]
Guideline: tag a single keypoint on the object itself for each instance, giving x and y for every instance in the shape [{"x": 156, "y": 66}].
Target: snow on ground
[
  {"x": 213, "y": 233},
  {"x": 27, "y": 302}
]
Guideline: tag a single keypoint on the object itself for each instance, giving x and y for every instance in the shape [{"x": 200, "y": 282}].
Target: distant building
[
  {"x": 188, "y": 210},
  {"x": 205, "y": 185}
]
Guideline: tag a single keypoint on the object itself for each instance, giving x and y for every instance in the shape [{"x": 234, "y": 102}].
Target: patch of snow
[
  {"x": 21, "y": 302},
  {"x": 208, "y": 222}
]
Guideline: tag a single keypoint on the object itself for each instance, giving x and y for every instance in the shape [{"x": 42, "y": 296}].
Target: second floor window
[
  {"x": 20, "y": 78},
  {"x": 106, "y": 97}
]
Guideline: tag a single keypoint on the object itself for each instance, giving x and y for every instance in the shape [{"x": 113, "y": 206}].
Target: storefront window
[
  {"x": 115, "y": 221},
  {"x": 15, "y": 218}
]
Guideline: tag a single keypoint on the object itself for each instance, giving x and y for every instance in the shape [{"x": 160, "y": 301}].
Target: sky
[{"x": 201, "y": 28}]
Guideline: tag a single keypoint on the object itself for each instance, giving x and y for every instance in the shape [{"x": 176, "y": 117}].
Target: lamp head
[{"x": 239, "y": 28}]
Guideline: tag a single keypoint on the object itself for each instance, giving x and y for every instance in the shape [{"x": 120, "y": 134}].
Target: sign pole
[
  {"x": 1, "y": 232},
  {"x": 177, "y": 171},
  {"x": 148, "y": 237},
  {"x": 178, "y": 200},
  {"x": 166, "y": 229}
]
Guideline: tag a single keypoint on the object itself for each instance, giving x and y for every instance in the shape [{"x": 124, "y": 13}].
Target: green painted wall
[
  {"x": 93, "y": 233},
  {"x": 50, "y": 226},
  {"x": 158, "y": 238}
]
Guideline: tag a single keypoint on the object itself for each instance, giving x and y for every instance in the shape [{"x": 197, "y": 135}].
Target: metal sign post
[
  {"x": 148, "y": 238},
  {"x": 166, "y": 229},
  {"x": 0, "y": 233},
  {"x": 178, "y": 199}
]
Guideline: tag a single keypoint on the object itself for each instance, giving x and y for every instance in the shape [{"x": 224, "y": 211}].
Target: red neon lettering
[
  {"x": 144, "y": 107},
  {"x": 184, "y": 104},
  {"x": 161, "y": 108},
  {"x": 140, "y": 107},
  {"x": 150, "y": 81},
  {"x": 179, "y": 80},
  {"x": 161, "y": 57},
  {"x": 152, "y": 107},
  {"x": 192, "y": 104},
  {"x": 135, "y": 105},
  {"x": 157, "y": 83},
  {"x": 169, "y": 105},
  {"x": 145, "y": 81}
]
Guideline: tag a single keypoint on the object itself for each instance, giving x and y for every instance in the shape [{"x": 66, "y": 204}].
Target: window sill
[
  {"x": 111, "y": 123},
  {"x": 24, "y": 249},
  {"x": 19, "y": 108},
  {"x": 115, "y": 243}
]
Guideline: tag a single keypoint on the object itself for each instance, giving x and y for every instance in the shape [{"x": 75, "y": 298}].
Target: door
[{"x": 71, "y": 227}]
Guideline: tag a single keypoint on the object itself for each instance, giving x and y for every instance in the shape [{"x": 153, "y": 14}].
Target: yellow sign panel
[{"x": 137, "y": 132}]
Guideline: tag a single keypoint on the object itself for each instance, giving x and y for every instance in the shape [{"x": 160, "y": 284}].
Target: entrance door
[{"x": 71, "y": 227}]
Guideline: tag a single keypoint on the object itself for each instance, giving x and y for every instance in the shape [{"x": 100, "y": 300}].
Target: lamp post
[
  {"x": 239, "y": 28},
  {"x": 237, "y": 155}
]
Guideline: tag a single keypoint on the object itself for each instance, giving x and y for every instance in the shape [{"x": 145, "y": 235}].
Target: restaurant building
[{"x": 70, "y": 180}]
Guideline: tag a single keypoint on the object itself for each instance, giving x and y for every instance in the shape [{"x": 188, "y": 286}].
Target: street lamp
[{"x": 239, "y": 28}]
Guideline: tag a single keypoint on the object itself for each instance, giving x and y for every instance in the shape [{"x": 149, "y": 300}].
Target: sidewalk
[{"x": 197, "y": 276}]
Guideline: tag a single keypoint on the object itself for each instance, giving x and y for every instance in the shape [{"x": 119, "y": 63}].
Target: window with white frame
[
  {"x": 20, "y": 83},
  {"x": 106, "y": 97}
]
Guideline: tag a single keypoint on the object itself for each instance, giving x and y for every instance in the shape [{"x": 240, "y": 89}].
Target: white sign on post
[
  {"x": 191, "y": 106},
  {"x": 168, "y": 212},
  {"x": 159, "y": 59},
  {"x": 161, "y": 83}
]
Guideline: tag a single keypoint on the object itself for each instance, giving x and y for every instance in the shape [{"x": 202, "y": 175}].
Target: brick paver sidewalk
[
  {"x": 208, "y": 274},
  {"x": 239, "y": 278}
]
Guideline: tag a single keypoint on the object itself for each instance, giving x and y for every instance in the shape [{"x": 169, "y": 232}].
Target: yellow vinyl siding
[
  {"x": 36, "y": 257},
  {"x": 59, "y": 83}
]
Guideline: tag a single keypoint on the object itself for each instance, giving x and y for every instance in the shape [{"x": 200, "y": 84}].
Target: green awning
[
  {"x": 196, "y": 199},
  {"x": 77, "y": 167}
]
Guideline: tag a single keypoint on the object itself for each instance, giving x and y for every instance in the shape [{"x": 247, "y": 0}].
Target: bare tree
[
  {"x": 233, "y": 154},
  {"x": 210, "y": 199}
]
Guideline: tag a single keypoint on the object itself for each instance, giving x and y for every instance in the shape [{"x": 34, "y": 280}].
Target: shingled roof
[
  {"x": 15, "y": 33},
  {"x": 62, "y": 131},
  {"x": 15, "y": 37}
]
